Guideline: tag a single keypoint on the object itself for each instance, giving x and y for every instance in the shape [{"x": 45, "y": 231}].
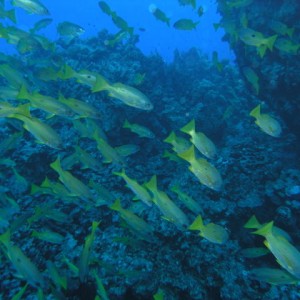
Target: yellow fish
[
  {"x": 252, "y": 78},
  {"x": 86, "y": 253},
  {"x": 140, "y": 192},
  {"x": 41, "y": 131},
  {"x": 272, "y": 276},
  {"x": 108, "y": 152},
  {"x": 286, "y": 254},
  {"x": 179, "y": 144},
  {"x": 31, "y": 6},
  {"x": 73, "y": 184},
  {"x": 254, "y": 38},
  {"x": 127, "y": 94},
  {"x": 168, "y": 208},
  {"x": 200, "y": 140},
  {"x": 140, "y": 130},
  {"x": 212, "y": 232},
  {"x": 203, "y": 170},
  {"x": 21, "y": 262},
  {"x": 265, "y": 122},
  {"x": 136, "y": 223}
]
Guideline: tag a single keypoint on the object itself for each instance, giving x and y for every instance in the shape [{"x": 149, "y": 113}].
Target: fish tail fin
[
  {"x": 101, "y": 84},
  {"x": 188, "y": 155},
  {"x": 95, "y": 225},
  {"x": 151, "y": 185},
  {"x": 271, "y": 40},
  {"x": 23, "y": 93},
  {"x": 126, "y": 124},
  {"x": 11, "y": 14},
  {"x": 255, "y": 112},
  {"x": 116, "y": 205},
  {"x": 46, "y": 183},
  {"x": 261, "y": 50},
  {"x": 264, "y": 230},
  {"x": 197, "y": 224},
  {"x": 121, "y": 174},
  {"x": 66, "y": 72},
  {"x": 216, "y": 26},
  {"x": 252, "y": 223},
  {"x": 56, "y": 165},
  {"x": 35, "y": 189},
  {"x": 21, "y": 112},
  {"x": 170, "y": 138},
  {"x": 189, "y": 127}
]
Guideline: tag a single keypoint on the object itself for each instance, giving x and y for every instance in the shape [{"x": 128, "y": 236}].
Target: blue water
[{"x": 157, "y": 37}]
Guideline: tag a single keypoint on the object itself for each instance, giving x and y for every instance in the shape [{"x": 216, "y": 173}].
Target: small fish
[
  {"x": 28, "y": 44},
  {"x": 212, "y": 232},
  {"x": 40, "y": 25},
  {"x": 14, "y": 77},
  {"x": 185, "y": 24},
  {"x": 108, "y": 152},
  {"x": 127, "y": 94},
  {"x": 84, "y": 259},
  {"x": 83, "y": 109},
  {"x": 285, "y": 253},
  {"x": 287, "y": 46},
  {"x": 69, "y": 30},
  {"x": 140, "y": 192},
  {"x": 87, "y": 160},
  {"x": 127, "y": 149},
  {"x": 189, "y": 202},
  {"x": 272, "y": 276},
  {"x": 137, "y": 224},
  {"x": 159, "y": 14},
  {"x": 253, "y": 223},
  {"x": 104, "y": 196},
  {"x": 281, "y": 28},
  {"x": 179, "y": 144},
  {"x": 48, "y": 236},
  {"x": 203, "y": 170},
  {"x": 31, "y": 6},
  {"x": 73, "y": 184},
  {"x": 266, "y": 123},
  {"x": 200, "y": 140},
  {"x": 105, "y": 8},
  {"x": 252, "y": 78},
  {"x": 171, "y": 212},
  {"x": 254, "y": 38},
  {"x": 200, "y": 11},
  {"x": 140, "y": 130},
  {"x": 9, "y": 14},
  {"x": 41, "y": 131},
  {"x": 46, "y": 103},
  {"x": 24, "y": 266}
]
